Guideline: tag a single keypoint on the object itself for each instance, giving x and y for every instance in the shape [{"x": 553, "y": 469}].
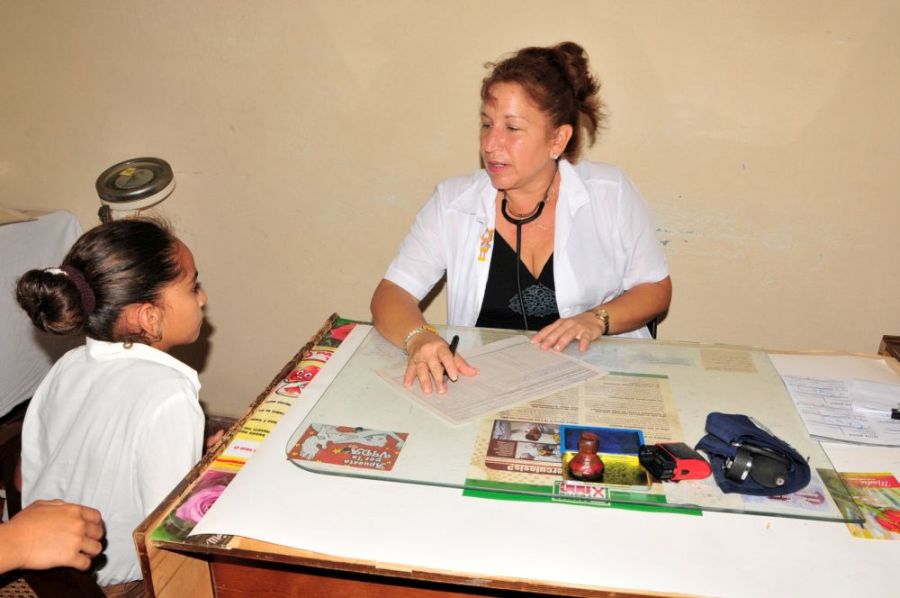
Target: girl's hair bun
[
  {"x": 111, "y": 266},
  {"x": 51, "y": 300}
]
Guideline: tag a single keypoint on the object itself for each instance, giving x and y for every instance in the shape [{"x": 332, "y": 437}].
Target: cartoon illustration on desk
[
  {"x": 349, "y": 446},
  {"x": 298, "y": 378}
]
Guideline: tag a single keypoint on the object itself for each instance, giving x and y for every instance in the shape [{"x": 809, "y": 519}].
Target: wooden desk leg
[{"x": 170, "y": 574}]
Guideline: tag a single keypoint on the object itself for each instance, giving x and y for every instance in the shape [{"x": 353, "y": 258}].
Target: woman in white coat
[{"x": 535, "y": 240}]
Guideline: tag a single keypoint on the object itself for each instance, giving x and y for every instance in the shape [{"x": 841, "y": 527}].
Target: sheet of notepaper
[{"x": 510, "y": 372}]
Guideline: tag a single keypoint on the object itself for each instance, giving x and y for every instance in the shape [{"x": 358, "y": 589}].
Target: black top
[{"x": 501, "y": 309}]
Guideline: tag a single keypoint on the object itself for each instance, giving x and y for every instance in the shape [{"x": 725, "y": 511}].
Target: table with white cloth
[{"x": 278, "y": 529}]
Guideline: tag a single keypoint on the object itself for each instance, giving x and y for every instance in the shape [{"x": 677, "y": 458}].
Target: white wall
[{"x": 305, "y": 136}]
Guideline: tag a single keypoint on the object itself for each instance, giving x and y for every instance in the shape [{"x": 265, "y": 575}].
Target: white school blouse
[
  {"x": 605, "y": 242},
  {"x": 115, "y": 429}
]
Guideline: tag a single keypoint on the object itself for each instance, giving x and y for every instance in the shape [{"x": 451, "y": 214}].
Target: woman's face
[{"x": 518, "y": 141}]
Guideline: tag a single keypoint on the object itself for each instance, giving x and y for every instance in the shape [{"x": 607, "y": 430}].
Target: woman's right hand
[{"x": 429, "y": 358}]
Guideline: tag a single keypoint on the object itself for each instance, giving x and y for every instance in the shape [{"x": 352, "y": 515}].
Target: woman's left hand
[{"x": 584, "y": 328}]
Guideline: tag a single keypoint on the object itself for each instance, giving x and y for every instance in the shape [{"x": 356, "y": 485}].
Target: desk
[
  {"x": 26, "y": 354},
  {"x": 666, "y": 389},
  {"x": 511, "y": 545}
]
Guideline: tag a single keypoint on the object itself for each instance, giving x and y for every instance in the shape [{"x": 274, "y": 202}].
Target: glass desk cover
[{"x": 664, "y": 389}]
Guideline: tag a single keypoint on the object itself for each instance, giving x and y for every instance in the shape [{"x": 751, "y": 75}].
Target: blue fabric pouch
[{"x": 748, "y": 459}]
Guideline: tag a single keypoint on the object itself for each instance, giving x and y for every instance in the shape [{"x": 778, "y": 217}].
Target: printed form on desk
[
  {"x": 843, "y": 397},
  {"x": 511, "y": 371}
]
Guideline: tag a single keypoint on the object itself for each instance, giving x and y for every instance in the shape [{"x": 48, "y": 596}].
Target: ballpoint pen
[{"x": 454, "y": 342}]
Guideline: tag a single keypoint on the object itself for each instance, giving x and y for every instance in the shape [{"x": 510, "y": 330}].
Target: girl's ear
[{"x": 142, "y": 319}]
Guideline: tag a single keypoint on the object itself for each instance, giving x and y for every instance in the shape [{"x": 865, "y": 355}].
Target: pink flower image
[
  {"x": 205, "y": 494},
  {"x": 196, "y": 506}
]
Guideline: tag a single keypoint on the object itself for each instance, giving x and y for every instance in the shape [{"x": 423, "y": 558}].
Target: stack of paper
[{"x": 844, "y": 398}]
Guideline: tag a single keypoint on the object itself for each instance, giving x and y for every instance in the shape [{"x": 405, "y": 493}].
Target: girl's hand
[
  {"x": 429, "y": 359},
  {"x": 213, "y": 439},
  {"x": 583, "y": 328}
]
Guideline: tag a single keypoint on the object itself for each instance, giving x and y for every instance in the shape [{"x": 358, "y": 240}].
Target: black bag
[{"x": 748, "y": 459}]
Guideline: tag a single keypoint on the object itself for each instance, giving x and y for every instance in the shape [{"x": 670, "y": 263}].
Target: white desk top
[{"x": 407, "y": 526}]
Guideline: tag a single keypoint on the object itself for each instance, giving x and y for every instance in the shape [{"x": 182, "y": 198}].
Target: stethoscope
[{"x": 519, "y": 223}]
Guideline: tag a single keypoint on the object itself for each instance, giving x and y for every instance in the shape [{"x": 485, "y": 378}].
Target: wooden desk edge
[{"x": 246, "y": 552}]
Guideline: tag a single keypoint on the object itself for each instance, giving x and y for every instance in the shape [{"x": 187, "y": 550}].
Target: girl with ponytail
[{"x": 116, "y": 423}]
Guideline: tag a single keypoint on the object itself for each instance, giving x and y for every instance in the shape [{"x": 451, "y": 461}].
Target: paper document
[
  {"x": 510, "y": 371},
  {"x": 846, "y": 408},
  {"x": 878, "y": 399}
]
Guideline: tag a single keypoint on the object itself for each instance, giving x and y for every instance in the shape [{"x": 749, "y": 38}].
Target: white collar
[
  {"x": 478, "y": 198},
  {"x": 572, "y": 192},
  {"x": 105, "y": 351}
]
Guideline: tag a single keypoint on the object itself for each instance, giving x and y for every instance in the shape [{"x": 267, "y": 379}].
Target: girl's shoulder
[{"x": 140, "y": 366}]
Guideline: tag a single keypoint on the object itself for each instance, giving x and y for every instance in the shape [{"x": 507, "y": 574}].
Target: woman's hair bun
[
  {"x": 585, "y": 87},
  {"x": 577, "y": 67}
]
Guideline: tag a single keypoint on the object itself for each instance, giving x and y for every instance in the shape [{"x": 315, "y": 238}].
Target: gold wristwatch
[{"x": 602, "y": 315}]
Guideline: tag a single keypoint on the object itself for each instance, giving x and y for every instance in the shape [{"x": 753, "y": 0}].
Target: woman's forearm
[
  {"x": 638, "y": 306},
  {"x": 395, "y": 312}
]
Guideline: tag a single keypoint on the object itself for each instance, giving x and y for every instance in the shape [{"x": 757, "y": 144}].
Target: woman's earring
[{"x": 554, "y": 156}]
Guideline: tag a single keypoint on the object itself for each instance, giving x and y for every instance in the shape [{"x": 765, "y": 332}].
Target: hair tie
[{"x": 88, "y": 300}]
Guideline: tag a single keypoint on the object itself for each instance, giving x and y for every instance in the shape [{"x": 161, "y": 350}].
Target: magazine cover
[
  {"x": 524, "y": 447},
  {"x": 878, "y": 497}
]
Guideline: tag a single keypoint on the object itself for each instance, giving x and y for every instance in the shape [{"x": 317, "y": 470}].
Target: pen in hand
[{"x": 453, "y": 344}]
